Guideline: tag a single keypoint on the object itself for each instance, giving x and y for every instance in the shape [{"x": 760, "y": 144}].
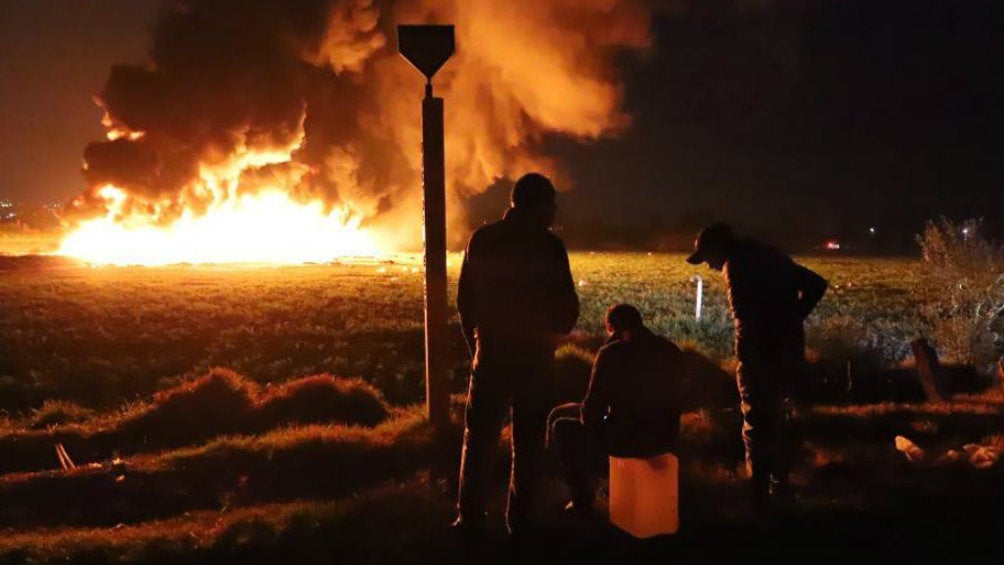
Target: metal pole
[
  {"x": 428, "y": 47},
  {"x": 437, "y": 366}
]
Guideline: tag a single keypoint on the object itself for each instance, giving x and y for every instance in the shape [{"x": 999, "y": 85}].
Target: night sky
[
  {"x": 795, "y": 120},
  {"x": 54, "y": 56}
]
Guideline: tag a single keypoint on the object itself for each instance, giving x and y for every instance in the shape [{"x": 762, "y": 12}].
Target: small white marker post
[{"x": 700, "y": 296}]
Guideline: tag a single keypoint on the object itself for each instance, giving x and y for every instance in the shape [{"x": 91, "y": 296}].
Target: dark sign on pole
[{"x": 428, "y": 47}]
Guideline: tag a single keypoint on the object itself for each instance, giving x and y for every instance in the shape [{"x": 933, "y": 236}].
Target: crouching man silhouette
[{"x": 630, "y": 410}]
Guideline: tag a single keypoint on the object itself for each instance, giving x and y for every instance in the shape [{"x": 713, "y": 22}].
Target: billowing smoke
[{"x": 311, "y": 96}]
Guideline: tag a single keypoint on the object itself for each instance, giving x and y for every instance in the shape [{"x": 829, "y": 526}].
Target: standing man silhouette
[
  {"x": 770, "y": 296},
  {"x": 517, "y": 300}
]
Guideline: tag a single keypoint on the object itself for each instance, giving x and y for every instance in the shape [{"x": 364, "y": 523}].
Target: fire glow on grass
[{"x": 266, "y": 227}]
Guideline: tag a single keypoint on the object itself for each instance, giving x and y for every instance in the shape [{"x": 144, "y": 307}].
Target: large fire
[
  {"x": 286, "y": 132},
  {"x": 261, "y": 223},
  {"x": 266, "y": 227}
]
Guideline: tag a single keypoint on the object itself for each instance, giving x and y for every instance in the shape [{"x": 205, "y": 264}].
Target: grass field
[
  {"x": 100, "y": 336},
  {"x": 176, "y": 461}
]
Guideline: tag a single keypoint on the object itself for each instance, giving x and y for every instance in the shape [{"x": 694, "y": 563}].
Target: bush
[
  {"x": 572, "y": 367},
  {"x": 57, "y": 413},
  {"x": 322, "y": 398},
  {"x": 963, "y": 275},
  {"x": 703, "y": 382},
  {"x": 224, "y": 402},
  {"x": 847, "y": 358},
  {"x": 219, "y": 403}
]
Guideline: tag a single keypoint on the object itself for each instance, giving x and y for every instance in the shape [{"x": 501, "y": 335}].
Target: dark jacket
[
  {"x": 634, "y": 396},
  {"x": 770, "y": 297},
  {"x": 516, "y": 289}
]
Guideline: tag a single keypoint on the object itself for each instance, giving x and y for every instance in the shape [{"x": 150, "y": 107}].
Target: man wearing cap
[
  {"x": 770, "y": 297},
  {"x": 516, "y": 300}
]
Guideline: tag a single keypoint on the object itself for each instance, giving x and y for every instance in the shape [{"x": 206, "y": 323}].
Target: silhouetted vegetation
[
  {"x": 965, "y": 308},
  {"x": 220, "y": 403},
  {"x": 338, "y": 492},
  {"x": 58, "y": 413},
  {"x": 323, "y": 398},
  {"x": 572, "y": 367}
]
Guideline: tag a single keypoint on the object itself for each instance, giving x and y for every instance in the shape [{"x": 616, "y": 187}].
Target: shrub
[
  {"x": 322, "y": 398},
  {"x": 218, "y": 403},
  {"x": 703, "y": 382},
  {"x": 57, "y": 413},
  {"x": 963, "y": 273},
  {"x": 572, "y": 366},
  {"x": 712, "y": 337},
  {"x": 848, "y": 359}
]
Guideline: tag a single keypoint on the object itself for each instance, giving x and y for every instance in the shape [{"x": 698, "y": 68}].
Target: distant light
[
  {"x": 831, "y": 245},
  {"x": 871, "y": 230},
  {"x": 965, "y": 231}
]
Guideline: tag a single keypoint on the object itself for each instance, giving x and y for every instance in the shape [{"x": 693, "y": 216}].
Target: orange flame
[
  {"x": 212, "y": 176},
  {"x": 265, "y": 225}
]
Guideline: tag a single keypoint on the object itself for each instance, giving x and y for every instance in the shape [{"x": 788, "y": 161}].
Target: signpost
[{"x": 428, "y": 47}]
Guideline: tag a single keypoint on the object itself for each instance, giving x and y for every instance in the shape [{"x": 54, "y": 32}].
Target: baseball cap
[{"x": 712, "y": 237}]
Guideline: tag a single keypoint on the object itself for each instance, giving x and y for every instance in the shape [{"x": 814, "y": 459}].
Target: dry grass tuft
[
  {"x": 322, "y": 398},
  {"x": 219, "y": 403},
  {"x": 58, "y": 413}
]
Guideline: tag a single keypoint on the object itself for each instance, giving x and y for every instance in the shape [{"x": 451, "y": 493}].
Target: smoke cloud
[{"x": 311, "y": 96}]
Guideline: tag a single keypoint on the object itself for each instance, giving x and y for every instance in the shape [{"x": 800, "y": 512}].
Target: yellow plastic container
[{"x": 644, "y": 495}]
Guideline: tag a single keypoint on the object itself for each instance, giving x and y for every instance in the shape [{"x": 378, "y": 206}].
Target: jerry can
[{"x": 644, "y": 495}]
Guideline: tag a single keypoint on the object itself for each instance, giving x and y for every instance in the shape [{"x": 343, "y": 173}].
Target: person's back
[
  {"x": 516, "y": 299},
  {"x": 637, "y": 381},
  {"x": 516, "y": 288},
  {"x": 763, "y": 287}
]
